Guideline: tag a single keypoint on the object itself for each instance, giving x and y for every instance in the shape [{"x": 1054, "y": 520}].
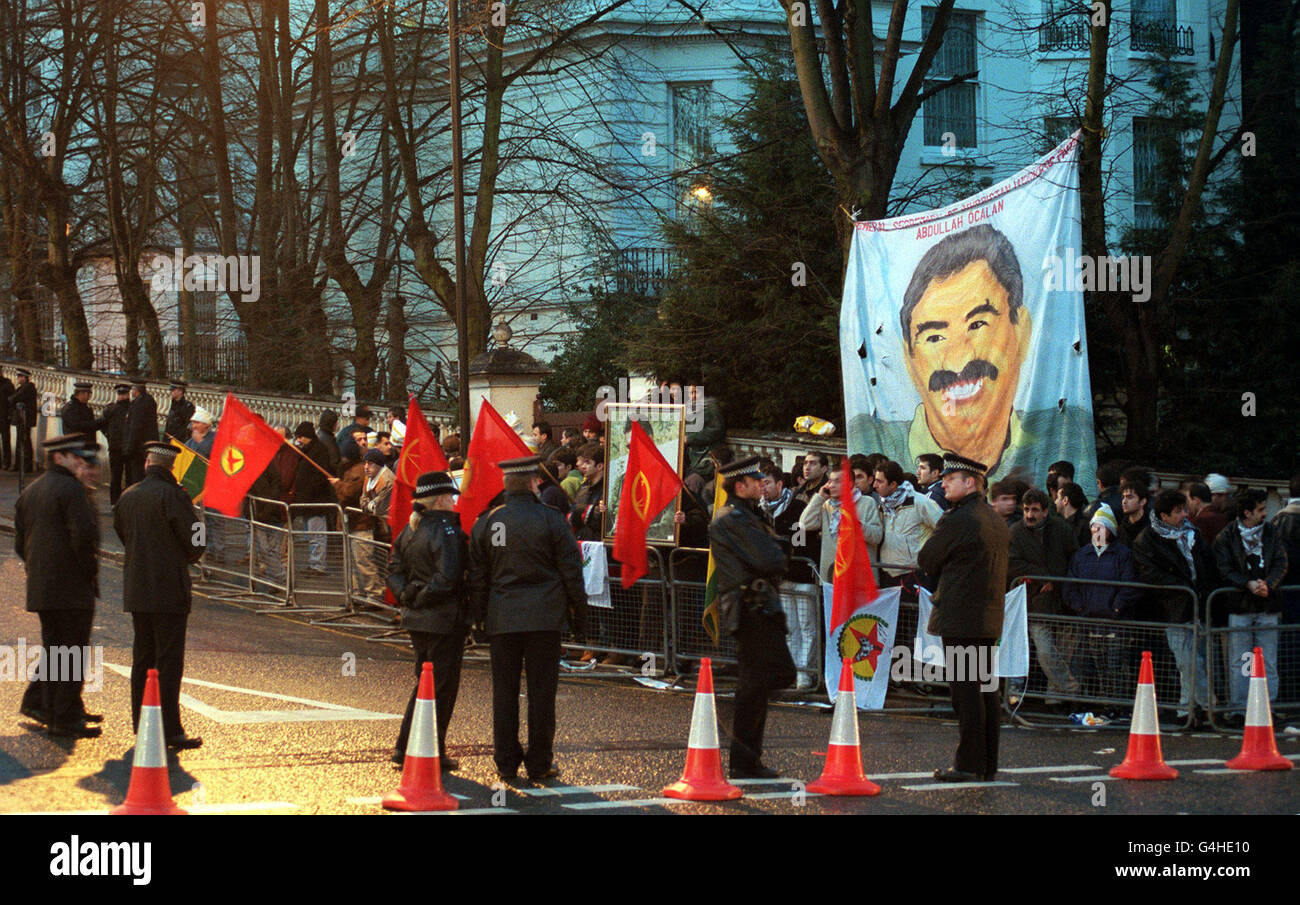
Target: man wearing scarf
[
  {"x": 1251, "y": 558},
  {"x": 1170, "y": 551},
  {"x": 907, "y": 518}
]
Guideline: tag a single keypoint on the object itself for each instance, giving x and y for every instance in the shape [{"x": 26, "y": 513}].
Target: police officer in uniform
[
  {"x": 141, "y": 428},
  {"x": 77, "y": 415},
  {"x": 56, "y": 533},
  {"x": 525, "y": 578},
  {"x": 22, "y": 413},
  {"x": 179, "y": 415},
  {"x": 965, "y": 566},
  {"x": 749, "y": 563},
  {"x": 114, "y": 421},
  {"x": 427, "y": 576},
  {"x": 162, "y": 536}
]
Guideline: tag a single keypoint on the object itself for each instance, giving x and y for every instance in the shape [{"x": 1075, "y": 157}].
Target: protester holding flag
[
  {"x": 749, "y": 566},
  {"x": 492, "y": 441},
  {"x": 965, "y": 564},
  {"x": 311, "y": 487},
  {"x": 420, "y": 454}
]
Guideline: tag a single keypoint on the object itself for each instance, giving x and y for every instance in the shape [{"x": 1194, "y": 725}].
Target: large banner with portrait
[{"x": 950, "y": 340}]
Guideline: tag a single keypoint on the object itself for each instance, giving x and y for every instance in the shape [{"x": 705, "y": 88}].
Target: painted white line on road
[
  {"x": 877, "y": 777},
  {"x": 234, "y": 807},
  {"x": 378, "y": 799},
  {"x": 779, "y": 781},
  {"x": 466, "y": 812},
  {"x": 1194, "y": 762},
  {"x": 768, "y": 796},
  {"x": 579, "y": 790},
  {"x": 934, "y": 786},
  {"x": 1067, "y": 768},
  {"x": 628, "y": 803},
  {"x": 323, "y": 712},
  {"x": 1096, "y": 777}
]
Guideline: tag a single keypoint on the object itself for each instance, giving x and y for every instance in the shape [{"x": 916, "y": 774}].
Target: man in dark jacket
[
  {"x": 1042, "y": 544},
  {"x": 749, "y": 565},
  {"x": 312, "y": 487},
  {"x": 965, "y": 562},
  {"x": 1072, "y": 506},
  {"x": 22, "y": 414},
  {"x": 427, "y": 576},
  {"x": 525, "y": 579},
  {"x": 347, "y": 446},
  {"x": 56, "y": 534},
  {"x": 1171, "y": 551},
  {"x": 77, "y": 415},
  {"x": 328, "y": 423},
  {"x": 114, "y": 419},
  {"x": 1252, "y": 558},
  {"x": 162, "y": 536},
  {"x": 180, "y": 413},
  {"x": 141, "y": 428},
  {"x": 6, "y": 444},
  {"x": 1108, "y": 646},
  {"x": 1134, "y": 501},
  {"x": 1108, "y": 481},
  {"x": 586, "y": 516}
]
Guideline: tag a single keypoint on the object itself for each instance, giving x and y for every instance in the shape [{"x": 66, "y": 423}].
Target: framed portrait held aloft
[{"x": 666, "y": 427}]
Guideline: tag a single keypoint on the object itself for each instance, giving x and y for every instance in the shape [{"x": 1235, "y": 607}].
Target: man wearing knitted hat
[{"x": 427, "y": 576}]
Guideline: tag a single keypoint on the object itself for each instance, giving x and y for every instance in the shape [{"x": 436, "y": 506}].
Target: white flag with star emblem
[
  {"x": 866, "y": 639},
  {"x": 1013, "y": 646}
]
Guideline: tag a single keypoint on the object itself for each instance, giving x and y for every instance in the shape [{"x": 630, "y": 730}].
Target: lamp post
[{"x": 458, "y": 195}]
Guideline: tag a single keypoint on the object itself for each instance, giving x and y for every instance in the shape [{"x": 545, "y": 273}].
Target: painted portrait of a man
[{"x": 966, "y": 334}]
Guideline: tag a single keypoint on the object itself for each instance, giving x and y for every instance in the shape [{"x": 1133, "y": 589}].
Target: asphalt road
[{"x": 300, "y": 719}]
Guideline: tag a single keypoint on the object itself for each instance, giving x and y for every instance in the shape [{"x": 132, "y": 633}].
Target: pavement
[{"x": 300, "y": 719}]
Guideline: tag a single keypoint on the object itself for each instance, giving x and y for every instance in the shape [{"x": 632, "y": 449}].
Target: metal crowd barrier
[
  {"x": 229, "y": 550},
  {"x": 691, "y": 642},
  {"x": 319, "y": 565},
  {"x": 1229, "y": 653},
  {"x": 270, "y": 566},
  {"x": 1103, "y": 655},
  {"x": 368, "y": 580},
  {"x": 634, "y": 630}
]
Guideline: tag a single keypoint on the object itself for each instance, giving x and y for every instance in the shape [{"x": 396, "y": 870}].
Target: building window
[
  {"x": 1153, "y": 27},
  {"x": 951, "y": 112},
  {"x": 1065, "y": 26},
  {"x": 692, "y": 146},
  {"x": 1153, "y": 141},
  {"x": 1057, "y": 129}
]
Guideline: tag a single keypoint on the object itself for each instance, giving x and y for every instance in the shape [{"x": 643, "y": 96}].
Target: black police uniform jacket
[
  {"x": 965, "y": 563},
  {"x": 114, "y": 425},
  {"x": 178, "y": 419},
  {"x": 56, "y": 534},
  {"x": 427, "y": 573},
  {"x": 141, "y": 423},
  {"x": 25, "y": 394},
  {"x": 744, "y": 550},
  {"x": 531, "y": 580},
  {"x": 160, "y": 531},
  {"x": 78, "y": 418}
]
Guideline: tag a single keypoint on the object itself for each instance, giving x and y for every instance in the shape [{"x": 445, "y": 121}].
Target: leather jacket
[{"x": 427, "y": 573}]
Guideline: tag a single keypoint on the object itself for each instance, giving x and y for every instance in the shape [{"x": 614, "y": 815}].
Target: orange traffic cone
[
  {"x": 843, "y": 774},
  {"x": 150, "y": 791},
  {"x": 702, "y": 780},
  {"x": 1258, "y": 745},
  {"x": 1143, "y": 759},
  {"x": 421, "y": 786}
]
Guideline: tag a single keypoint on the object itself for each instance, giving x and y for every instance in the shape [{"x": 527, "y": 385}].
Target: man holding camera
[{"x": 749, "y": 563}]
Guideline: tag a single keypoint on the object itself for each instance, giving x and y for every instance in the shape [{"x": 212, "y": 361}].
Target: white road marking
[
  {"x": 234, "y": 807},
  {"x": 767, "y": 796},
  {"x": 627, "y": 803},
  {"x": 466, "y": 812},
  {"x": 1067, "y": 768},
  {"x": 578, "y": 790},
  {"x": 935, "y": 786},
  {"x": 323, "y": 712},
  {"x": 1097, "y": 777},
  {"x": 1195, "y": 762},
  {"x": 780, "y": 780},
  {"x": 378, "y": 799}
]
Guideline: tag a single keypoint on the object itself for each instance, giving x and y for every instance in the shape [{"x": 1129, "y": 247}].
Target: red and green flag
[
  {"x": 244, "y": 446},
  {"x": 649, "y": 485}
]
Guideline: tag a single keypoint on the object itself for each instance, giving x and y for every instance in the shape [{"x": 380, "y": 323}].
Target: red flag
[
  {"x": 649, "y": 485},
  {"x": 854, "y": 584},
  {"x": 243, "y": 447},
  {"x": 493, "y": 441},
  {"x": 420, "y": 453}
]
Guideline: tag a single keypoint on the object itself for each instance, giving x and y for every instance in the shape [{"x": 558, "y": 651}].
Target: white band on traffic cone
[
  {"x": 423, "y": 740},
  {"x": 150, "y": 750},
  {"x": 1257, "y": 709},
  {"x": 844, "y": 723},
  {"x": 1144, "y": 711},
  {"x": 704, "y": 724}
]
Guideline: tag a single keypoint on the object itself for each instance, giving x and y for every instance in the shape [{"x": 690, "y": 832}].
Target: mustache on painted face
[{"x": 967, "y": 383}]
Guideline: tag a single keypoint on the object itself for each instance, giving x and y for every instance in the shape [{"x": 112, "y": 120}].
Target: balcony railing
[
  {"x": 641, "y": 270},
  {"x": 1071, "y": 34},
  {"x": 1160, "y": 36}
]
